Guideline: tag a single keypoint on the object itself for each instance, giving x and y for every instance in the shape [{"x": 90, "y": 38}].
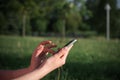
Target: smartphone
[{"x": 71, "y": 42}]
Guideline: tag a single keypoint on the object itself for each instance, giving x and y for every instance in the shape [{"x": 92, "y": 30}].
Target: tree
[
  {"x": 27, "y": 16},
  {"x": 66, "y": 17},
  {"x": 98, "y": 21},
  {"x": 8, "y": 10},
  {"x": 28, "y": 9}
]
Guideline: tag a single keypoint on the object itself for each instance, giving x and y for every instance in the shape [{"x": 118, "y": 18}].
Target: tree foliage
[
  {"x": 29, "y": 17},
  {"x": 98, "y": 21}
]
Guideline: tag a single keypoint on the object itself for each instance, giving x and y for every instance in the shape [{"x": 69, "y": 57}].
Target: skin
[{"x": 40, "y": 65}]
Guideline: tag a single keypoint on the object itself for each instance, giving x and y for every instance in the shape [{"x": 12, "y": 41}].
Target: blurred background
[
  {"x": 25, "y": 23},
  {"x": 81, "y": 18}
]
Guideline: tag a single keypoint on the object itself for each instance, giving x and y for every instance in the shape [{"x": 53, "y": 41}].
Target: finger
[
  {"x": 45, "y": 42},
  {"x": 49, "y": 50},
  {"x": 69, "y": 47},
  {"x": 67, "y": 51},
  {"x": 38, "y": 51},
  {"x": 51, "y": 46},
  {"x": 61, "y": 52}
]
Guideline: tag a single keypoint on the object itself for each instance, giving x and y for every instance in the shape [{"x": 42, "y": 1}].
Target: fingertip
[
  {"x": 41, "y": 46},
  {"x": 68, "y": 47},
  {"x": 46, "y": 42},
  {"x": 50, "y": 41}
]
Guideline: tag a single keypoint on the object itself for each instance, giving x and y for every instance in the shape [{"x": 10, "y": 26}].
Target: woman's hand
[
  {"x": 39, "y": 54},
  {"x": 48, "y": 65},
  {"x": 57, "y": 60}
]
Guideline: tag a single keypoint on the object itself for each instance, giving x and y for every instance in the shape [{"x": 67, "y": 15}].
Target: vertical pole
[
  {"x": 24, "y": 24},
  {"x": 108, "y": 25},
  {"x": 107, "y": 7}
]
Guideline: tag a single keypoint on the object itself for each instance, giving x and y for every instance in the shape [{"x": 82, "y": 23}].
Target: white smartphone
[{"x": 71, "y": 42}]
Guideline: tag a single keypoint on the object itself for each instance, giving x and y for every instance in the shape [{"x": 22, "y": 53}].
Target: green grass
[{"x": 89, "y": 59}]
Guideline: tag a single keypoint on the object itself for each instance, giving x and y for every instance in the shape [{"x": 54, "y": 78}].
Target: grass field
[{"x": 89, "y": 59}]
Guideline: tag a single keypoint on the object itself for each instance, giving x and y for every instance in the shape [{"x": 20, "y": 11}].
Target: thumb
[
  {"x": 39, "y": 50},
  {"x": 67, "y": 51}
]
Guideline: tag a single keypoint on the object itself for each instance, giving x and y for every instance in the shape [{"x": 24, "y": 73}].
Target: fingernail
[{"x": 50, "y": 41}]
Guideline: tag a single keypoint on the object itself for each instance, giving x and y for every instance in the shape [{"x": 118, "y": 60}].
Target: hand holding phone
[{"x": 69, "y": 43}]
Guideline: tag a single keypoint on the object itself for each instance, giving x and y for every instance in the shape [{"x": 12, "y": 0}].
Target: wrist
[
  {"x": 31, "y": 68},
  {"x": 43, "y": 70}
]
